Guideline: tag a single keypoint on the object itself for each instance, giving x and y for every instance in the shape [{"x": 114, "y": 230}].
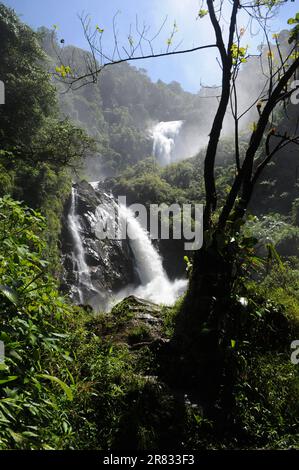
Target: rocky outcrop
[
  {"x": 110, "y": 262},
  {"x": 135, "y": 322}
]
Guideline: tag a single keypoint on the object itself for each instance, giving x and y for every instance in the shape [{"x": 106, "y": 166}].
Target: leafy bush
[{"x": 32, "y": 330}]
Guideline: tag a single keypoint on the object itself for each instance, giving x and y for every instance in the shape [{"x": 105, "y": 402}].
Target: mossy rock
[{"x": 133, "y": 321}]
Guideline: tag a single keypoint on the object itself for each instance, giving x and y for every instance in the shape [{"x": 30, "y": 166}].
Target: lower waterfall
[
  {"x": 101, "y": 273},
  {"x": 155, "y": 284},
  {"x": 78, "y": 249}
]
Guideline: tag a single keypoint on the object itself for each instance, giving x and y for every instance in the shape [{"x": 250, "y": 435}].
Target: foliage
[
  {"x": 37, "y": 146},
  {"x": 275, "y": 229},
  {"x": 30, "y": 125},
  {"x": 295, "y": 30},
  {"x": 61, "y": 385},
  {"x": 147, "y": 183},
  {"x": 266, "y": 382},
  {"x": 31, "y": 328},
  {"x": 266, "y": 402}
]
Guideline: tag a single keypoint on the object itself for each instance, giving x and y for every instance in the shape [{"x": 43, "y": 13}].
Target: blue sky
[{"x": 190, "y": 70}]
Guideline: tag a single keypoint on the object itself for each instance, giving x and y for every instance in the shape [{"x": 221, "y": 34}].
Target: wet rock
[{"x": 110, "y": 262}]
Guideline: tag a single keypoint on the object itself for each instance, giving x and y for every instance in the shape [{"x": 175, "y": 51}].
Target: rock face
[{"x": 109, "y": 264}]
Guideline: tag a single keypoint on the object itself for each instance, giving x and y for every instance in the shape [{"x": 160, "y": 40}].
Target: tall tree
[{"x": 31, "y": 129}]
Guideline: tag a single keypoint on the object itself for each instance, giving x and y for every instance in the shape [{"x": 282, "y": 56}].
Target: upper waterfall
[{"x": 164, "y": 135}]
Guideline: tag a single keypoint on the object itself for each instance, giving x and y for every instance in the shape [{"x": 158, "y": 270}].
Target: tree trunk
[{"x": 200, "y": 362}]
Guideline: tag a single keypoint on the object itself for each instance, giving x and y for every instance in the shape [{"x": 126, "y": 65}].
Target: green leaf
[
  {"x": 60, "y": 335},
  {"x": 17, "y": 437},
  {"x": 29, "y": 434},
  {"x": 62, "y": 384},
  {"x": 233, "y": 343},
  {"x": 9, "y": 293},
  {"x": 10, "y": 378},
  {"x": 202, "y": 13},
  {"x": 258, "y": 262}
]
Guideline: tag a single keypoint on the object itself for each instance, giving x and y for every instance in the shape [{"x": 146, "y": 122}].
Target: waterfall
[
  {"x": 84, "y": 280},
  {"x": 164, "y": 135},
  {"x": 155, "y": 285},
  {"x": 92, "y": 285},
  {"x": 148, "y": 262}
]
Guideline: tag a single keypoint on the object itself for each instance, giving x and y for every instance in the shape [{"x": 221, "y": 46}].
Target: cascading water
[
  {"x": 155, "y": 285},
  {"x": 164, "y": 135},
  {"x": 128, "y": 266},
  {"x": 83, "y": 280}
]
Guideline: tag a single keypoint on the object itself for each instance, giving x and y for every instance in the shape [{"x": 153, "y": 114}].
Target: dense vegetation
[
  {"x": 37, "y": 145},
  {"x": 72, "y": 380},
  {"x": 75, "y": 381}
]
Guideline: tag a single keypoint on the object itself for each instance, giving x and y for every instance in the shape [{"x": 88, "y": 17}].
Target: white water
[
  {"x": 164, "y": 135},
  {"x": 78, "y": 253},
  {"x": 155, "y": 285},
  {"x": 94, "y": 184}
]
